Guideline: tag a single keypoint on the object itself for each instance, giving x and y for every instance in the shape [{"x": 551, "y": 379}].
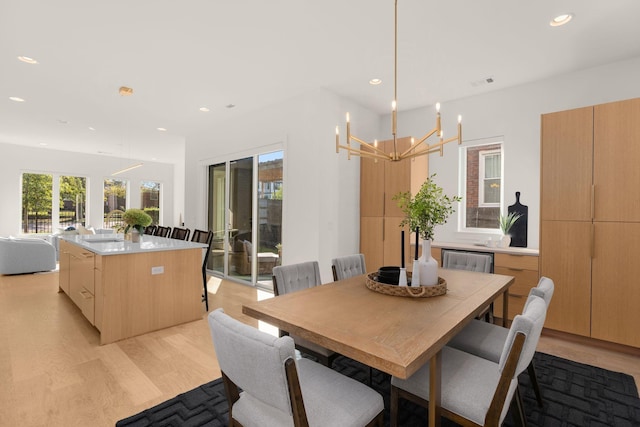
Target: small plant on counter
[
  {"x": 136, "y": 218},
  {"x": 506, "y": 222}
]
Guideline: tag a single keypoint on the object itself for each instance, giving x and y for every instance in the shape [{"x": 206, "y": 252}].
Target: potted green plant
[
  {"x": 428, "y": 208},
  {"x": 422, "y": 212},
  {"x": 506, "y": 222},
  {"x": 136, "y": 219}
]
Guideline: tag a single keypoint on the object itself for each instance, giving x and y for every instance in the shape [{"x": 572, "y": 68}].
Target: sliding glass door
[{"x": 245, "y": 213}]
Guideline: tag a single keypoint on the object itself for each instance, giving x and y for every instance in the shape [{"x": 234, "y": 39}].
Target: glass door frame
[{"x": 227, "y": 160}]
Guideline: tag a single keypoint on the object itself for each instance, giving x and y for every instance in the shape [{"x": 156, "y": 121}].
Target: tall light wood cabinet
[
  {"x": 380, "y": 216},
  {"x": 590, "y": 219}
]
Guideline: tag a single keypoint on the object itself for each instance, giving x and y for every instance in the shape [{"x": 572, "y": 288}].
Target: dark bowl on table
[{"x": 389, "y": 275}]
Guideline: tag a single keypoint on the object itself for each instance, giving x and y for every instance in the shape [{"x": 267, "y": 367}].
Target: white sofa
[{"x": 26, "y": 255}]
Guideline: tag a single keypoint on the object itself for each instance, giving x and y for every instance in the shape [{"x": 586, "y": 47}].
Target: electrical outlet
[{"x": 157, "y": 270}]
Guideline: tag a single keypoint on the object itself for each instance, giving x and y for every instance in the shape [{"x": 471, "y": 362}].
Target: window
[
  {"x": 42, "y": 211},
  {"x": 150, "y": 200},
  {"x": 481, "y": 175},
  {"x": 37, "y": 206},
  {"x": 73, "y": 200},
  {"x": 490, "y": 178},
  {"x": 115, "y": 202}
]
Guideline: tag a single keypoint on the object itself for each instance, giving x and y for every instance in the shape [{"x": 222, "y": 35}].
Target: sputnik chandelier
[{"x": 417, "y": 148}]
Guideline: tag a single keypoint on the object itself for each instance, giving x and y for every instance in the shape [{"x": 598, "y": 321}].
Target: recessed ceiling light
[
  {"x": 125, "y": 91},
  {"x": 162, "y": 129},
  {"x": 63, "y": 122},
  {"x": 27, "y": 60},
  {"x": 230, "y": 105},
  {"x": 44, "y": 144},
  {"x": 92, "y": 128},
  {"x": 16, "y": 99},
  {"x": 561, "y": 19},
  {"x": 204, "y": 109},
  {"x": 375, "y": 82}
]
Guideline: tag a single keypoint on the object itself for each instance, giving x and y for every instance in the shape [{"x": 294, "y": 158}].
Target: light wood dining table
[{"x": 394, "y": 334}]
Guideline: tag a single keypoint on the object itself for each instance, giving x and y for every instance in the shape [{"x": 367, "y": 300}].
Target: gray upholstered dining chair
[
  {"x": 476, "y": 391},
  {"x": 278, "y": 390},
  {"x": 466, "y": 261},
  {"x": 457, "y": 260},
  {"x": 344, "y": 268},
  {"x": 486, "y": 340},
  {"x": 292, "y": 278},
  {"x": 348, "y": 266}
]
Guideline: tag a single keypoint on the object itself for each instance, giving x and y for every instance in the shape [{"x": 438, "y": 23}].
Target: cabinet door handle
[
  {"x": 593, "y": 201},
  {"x": 515, "y": 269},
  {"x": 384, "y": 204},
  {"x": 516, "y": 295},
  {"x": 86, "y": 294},
  {"x": 593, "y": 241}
]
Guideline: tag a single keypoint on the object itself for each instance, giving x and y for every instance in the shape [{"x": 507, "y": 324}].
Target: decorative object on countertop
[
  {"x": 428, "y": 208},
  {"x": 519, "y": 229},
  {"x": 506, "y": 222},
  {"x": 136, "y": 220}
]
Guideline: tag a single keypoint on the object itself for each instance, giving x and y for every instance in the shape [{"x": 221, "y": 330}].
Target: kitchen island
[{"x": 126, "y": 289}]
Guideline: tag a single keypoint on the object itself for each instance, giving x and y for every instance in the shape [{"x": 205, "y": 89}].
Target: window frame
[
  {"x": 482, "y": 157},
  {"x": 463, "y": 183},
  {"x": 55, "y": 200}
]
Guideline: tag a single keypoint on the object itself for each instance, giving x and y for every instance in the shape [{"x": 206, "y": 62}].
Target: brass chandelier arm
[
  {"x": 362, "y": 153},
  {"x": 417, "y": 144},
  {"x": 373, "y": 147}
]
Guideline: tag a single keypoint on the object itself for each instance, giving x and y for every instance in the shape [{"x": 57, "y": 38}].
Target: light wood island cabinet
[{"x": 126, "y": 289}]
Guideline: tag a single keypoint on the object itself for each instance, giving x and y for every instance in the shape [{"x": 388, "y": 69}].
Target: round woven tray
[{"x": 406, "y": 291}]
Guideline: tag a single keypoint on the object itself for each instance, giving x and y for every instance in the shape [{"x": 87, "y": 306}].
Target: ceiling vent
[{"x": 482, "y": 82}]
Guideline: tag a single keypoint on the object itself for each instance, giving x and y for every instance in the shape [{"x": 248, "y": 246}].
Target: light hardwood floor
[{"x": 53, "y": 372}]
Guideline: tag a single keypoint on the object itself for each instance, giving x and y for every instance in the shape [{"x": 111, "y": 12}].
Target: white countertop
[
  {"x": 484, "y": 248},
  {"x": 115, "y": 244}
]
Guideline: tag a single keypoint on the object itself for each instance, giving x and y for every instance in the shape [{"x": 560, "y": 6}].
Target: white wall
[
  {"x": 514, "y": 114},
  {"x": 321, "y": 188},
  {"x": 17, "y": 159}
]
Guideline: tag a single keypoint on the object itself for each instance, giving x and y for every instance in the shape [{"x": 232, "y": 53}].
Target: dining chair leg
[
  {"x": 534, "y": 382},
  {"x": 205, "y": 296},
  {"x": 517, "y": 409},
  {"x": 393, "y": 415}
]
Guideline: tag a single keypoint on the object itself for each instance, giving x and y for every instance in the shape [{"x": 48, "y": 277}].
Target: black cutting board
[{"x": 518, "y": 231}]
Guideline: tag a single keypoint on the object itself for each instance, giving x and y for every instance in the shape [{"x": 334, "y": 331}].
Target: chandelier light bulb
[
  {"x": 347, "y": 117},
  {"x": 459, "y": 118},
  {"x": 393, "y": 105},
  {"x": 438, "y": 107}
]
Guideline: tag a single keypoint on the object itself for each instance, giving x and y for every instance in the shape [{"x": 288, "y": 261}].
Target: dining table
[{"x": 395, "y": 334}]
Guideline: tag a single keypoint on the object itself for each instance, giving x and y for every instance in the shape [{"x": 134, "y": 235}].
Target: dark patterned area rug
[{"x": 575, "y": 395}]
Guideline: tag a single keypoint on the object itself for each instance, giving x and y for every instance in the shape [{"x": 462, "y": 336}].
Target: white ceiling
[{"x": 181, "y": 55}]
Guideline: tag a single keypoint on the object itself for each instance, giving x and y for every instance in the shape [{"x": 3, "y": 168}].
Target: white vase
[
  {"x": 135, "y": 236},
  {"x": 505, "y": 241},
  {"x": 428, "y": 265}
]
